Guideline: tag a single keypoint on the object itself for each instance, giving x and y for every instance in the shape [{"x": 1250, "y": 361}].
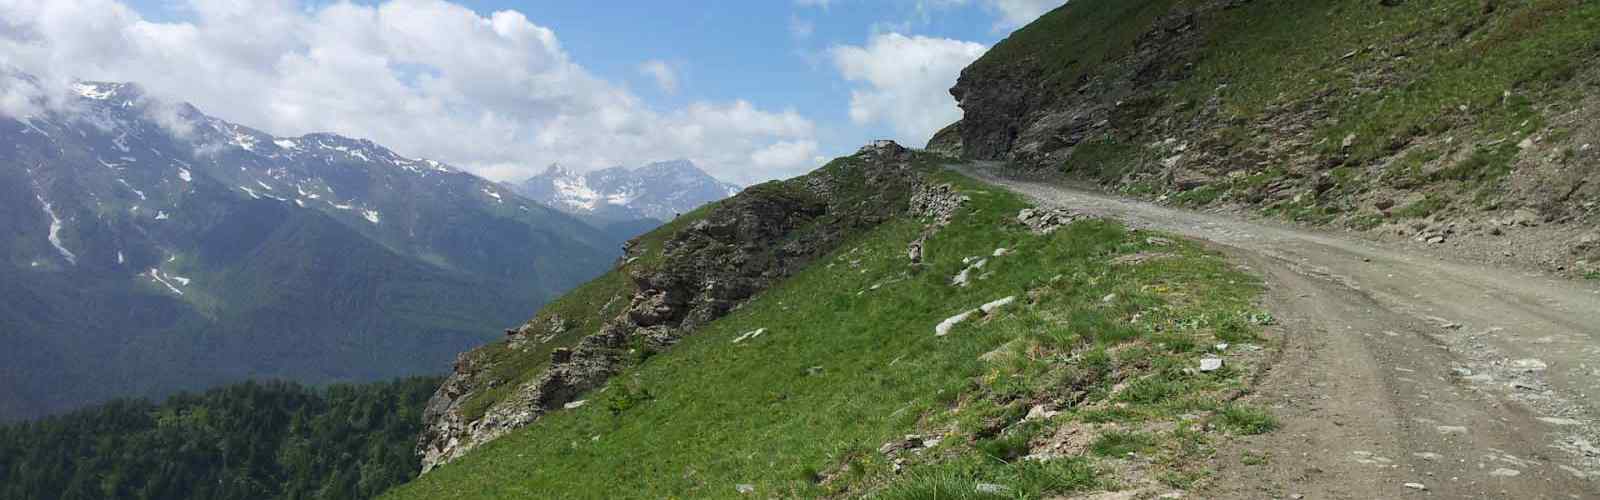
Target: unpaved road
[{"x": 1398, "y": 368}]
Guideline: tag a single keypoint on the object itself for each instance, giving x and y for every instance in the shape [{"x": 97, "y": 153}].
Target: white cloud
[
  {"x": 1014, "y": 13},
  {"x": 785, "y": 153},
  {"x": 905, "y": 81},
  {"x": 1011, "y": 13},
  {"x": 666, "y": 78},
  {"x": 496, "y": 94}
]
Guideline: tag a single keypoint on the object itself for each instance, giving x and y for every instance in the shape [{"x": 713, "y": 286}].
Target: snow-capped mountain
[
  {"x": 154, "y": 248},
  {"x": 657, "y": 191}
]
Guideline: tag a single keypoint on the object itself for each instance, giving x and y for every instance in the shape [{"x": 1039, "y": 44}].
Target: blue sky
[{"x": 794, "y": 66}]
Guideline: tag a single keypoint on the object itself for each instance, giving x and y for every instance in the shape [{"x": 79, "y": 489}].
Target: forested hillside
[{"x": 250, "y": 441}]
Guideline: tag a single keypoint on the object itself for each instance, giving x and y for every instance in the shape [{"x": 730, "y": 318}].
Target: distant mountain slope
[
  {"x": 659, "y": 191},
  {"x": 152, "y": 248}
]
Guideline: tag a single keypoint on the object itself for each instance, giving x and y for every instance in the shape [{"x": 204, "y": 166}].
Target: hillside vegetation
[
  {"x": 1088, "y": 380},
  {"x": 250, "y": 441},
  {"x": 1464, "y": 123}
]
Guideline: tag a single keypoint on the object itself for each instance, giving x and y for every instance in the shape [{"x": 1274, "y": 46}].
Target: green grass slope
[{"x": 1107, "y": 330}]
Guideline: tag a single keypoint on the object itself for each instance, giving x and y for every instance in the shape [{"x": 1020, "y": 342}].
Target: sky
[{"x": 750, "y": 90}]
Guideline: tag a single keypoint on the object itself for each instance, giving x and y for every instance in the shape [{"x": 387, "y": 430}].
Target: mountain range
[
  {"x": 152, "y": 248},
  {"x": 659, "y": 191}
]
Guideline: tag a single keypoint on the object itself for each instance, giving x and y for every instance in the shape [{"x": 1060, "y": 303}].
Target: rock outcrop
[{"x": 700, "y": 273}]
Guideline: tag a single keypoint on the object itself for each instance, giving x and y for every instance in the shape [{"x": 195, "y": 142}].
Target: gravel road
[{"x": 1401, "y": 375}]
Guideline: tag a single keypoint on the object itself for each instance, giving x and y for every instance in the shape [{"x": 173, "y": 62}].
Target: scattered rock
[
  {"x": 937, "y": 202},
  {"x": 1210, "y": 364},
  {"x": 575, "y": 404},
  {"x": 1529, "y": 365},
  {"x": 1160, "y": 242},
  {"x": 1417, "y": 486},
  {"x": 991, "y": 307},
  {"x": 991, "y": 488},
  {"x": 914, "y": 250},
  {"x": 745, "y": 489},
  {"x": 1002, "y": 252},
  {"x": 750, "y": 335},
  {"x": 944, "y": 326},
  {"x": 1109, "y": 298},
  {"x": 1451, "y": 429},
  {"x": 1564, "y": 422},
  {"x": 1040, "y": 412},
  {"x": 1504, "y": 472},
  {"x": 965, "y": 276},
  {"x": 1429, "y": 456},
  {"x": 1045, "y": 220}
]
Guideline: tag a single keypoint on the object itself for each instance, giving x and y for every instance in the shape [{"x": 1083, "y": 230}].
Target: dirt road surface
[{"x": 1401, "y": 375}]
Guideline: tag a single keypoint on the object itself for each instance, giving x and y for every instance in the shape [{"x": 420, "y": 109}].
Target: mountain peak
[
  {"x": 659, "y": 190},
  {"x": 103, "y": 91},
  {"x": 556, "y": 170}
]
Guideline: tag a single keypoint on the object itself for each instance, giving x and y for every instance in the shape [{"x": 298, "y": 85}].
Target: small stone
[
  {"x": 745, "y": 489},
  {"x": 1452, "y": 429},
  {"x": 1417, "y": 486},
  {"x": 944, "y": 326},
  {"x": 1529, "y": 364},
  {"x": 991, "y": 488},
  {"x": 1564, "y": 422},
  {"x": 575, "y": 404},
  {"x": 991, "y": 307},
  {"x": 750, "y": 335},
  {"x": 1210, "y": 364},
  {"x": 1426, "y": 455},
  {"x": 1002, "y": 252},
  {"x": 1504, "y": 472},
  {"x": 1109, "y": 298},
  {"x": 1040, "y": 412}
]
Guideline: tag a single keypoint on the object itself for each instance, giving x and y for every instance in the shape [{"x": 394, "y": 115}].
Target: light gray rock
[
  {"x": 944, "y": 326},
  {"x": 991, "y": 307}
]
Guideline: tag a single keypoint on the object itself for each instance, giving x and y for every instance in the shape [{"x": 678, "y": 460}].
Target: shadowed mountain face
[
  {"x": 659, "y": 191},
  {"x": 150, "y": 248}
]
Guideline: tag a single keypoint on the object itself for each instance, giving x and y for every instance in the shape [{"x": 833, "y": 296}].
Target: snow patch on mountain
[
  {"x": 55, "y": 231},
  {"x": 156, "y": 275},
  {"x": 658, "y": 191},
  {"x": 92, "y": 91}
]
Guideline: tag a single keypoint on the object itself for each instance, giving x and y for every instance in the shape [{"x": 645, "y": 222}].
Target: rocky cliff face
[
  {"x": 677, "y": 279},
  {"x": 1455, "y": 124}
]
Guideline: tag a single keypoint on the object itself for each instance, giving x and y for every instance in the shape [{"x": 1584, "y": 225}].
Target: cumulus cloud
[
  {"x": 493, "y": 93},
  {"x": 904, "y": 81},
  {"x": 1010, "y": 13},
  {"x": 666, "y": 78},
  {"x": 1014, "y": 13}
]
